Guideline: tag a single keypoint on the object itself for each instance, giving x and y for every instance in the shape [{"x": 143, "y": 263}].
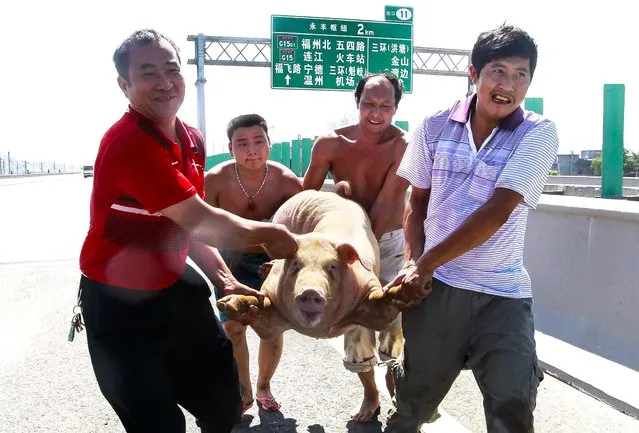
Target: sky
[{"x": 60, "y": 93}]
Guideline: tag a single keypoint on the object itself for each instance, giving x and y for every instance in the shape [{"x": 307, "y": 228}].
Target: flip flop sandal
[
  {"x": 268, "y": 403},
  {"x": 246, "y": 407}
]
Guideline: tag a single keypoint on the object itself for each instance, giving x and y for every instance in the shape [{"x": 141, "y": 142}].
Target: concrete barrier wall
[
  {"x": 583, "y": 258},
  {"x": 588, "y": 181}
]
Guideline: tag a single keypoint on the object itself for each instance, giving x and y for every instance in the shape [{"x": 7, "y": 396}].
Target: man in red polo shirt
[{"x": 153, "y": 337}]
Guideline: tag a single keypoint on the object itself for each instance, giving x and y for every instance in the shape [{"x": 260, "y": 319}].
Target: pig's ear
[{"x": 347, "y": 253}]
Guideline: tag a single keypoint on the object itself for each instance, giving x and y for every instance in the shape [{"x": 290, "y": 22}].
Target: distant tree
[
  {"x": 630, "y": 164},
  {"x": 595, "y": 166}
]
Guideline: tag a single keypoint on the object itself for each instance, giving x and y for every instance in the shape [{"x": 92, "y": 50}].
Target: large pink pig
[{"x": 331, "y": 285}]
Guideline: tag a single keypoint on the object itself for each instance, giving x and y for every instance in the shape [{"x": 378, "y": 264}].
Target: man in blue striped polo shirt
[{"x": 476, "y": 169}]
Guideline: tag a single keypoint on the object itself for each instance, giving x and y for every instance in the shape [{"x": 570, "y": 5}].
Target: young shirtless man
[
  {"x": 252, "y": 187},
  {"x": 367, "y": 155}
]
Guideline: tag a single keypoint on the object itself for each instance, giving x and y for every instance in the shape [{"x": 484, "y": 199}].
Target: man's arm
[
  {"x": 292, "y": 185},
  {"x": 480, "y": 226},
  {"x": 211, "y": 263},
  {"x": 148, "y": 175},
  {"x": 391, "y": 197},
  {"x": 415, "y": 285},
  {"x": 208, "y": 258},
  {"x": 320, "y": 164},
  {"x": 522, "y": 180},
  {"x": 219, "y": 228},
  {"x": 475, "y": 230},
  {"x": 414, "y": 217},
  {"x": 211, "y": 190}
]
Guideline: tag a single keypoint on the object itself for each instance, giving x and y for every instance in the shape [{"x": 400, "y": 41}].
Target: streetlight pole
[{"x": 571, "y": 159}]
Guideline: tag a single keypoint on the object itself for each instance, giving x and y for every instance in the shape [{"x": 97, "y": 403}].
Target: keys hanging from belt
[
  {"x": 76, "y": 323},
  {"x": 76, "y": 320}
]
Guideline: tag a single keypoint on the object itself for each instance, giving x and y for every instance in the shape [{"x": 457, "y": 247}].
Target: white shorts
[{"x": 391, "y": 254}]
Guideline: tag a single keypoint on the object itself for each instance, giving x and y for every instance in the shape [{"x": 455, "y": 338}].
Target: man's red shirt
[{"x": 138, "y": 172}]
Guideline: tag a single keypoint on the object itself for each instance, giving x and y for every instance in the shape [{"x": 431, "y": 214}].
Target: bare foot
[
  {"x": 247, "y": 397},
  {"x": 247, "y": 403},
  {"x": 369, "y": 408},
  {"x": 265, "y": 398}
]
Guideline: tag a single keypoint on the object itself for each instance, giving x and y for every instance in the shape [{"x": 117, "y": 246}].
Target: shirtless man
[
  {"x": 252, "y": 187},
  {"x": 367, "y": 155}
]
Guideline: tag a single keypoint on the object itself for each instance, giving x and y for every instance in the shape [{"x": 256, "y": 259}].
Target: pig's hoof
[
  {"x": 376, "y": 295},
  {"x": 226, "y": 306},
  {"x": 234, "y": 306},
  {"x": 387, "y": 295}
]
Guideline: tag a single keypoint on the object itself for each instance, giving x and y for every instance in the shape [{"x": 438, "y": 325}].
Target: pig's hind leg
[{"x": 359, "y": 357}]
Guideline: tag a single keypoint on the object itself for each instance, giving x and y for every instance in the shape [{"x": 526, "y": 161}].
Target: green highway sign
[
  {"x": 398, "y": 13},
  {"x": 332, "y": 54}
]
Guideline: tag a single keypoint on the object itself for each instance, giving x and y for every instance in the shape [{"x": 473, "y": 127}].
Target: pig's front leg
[
  {"x": 377, "y": 310},
  {"x": 388, "y": 296},
  {"x": 270, "y": 324},
  {"x": 237, "y": 306}
]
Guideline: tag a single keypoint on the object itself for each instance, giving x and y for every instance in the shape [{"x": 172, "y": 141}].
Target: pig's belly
[{"x": 323, "y": 332}]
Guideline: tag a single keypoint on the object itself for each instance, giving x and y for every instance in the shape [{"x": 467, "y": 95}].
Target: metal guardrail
[
  {"x": 10, "y": 166},
  {"x": 256, "y": 52}
]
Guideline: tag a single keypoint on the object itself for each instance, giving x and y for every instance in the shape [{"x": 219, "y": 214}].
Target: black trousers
[{"x": 153, "y": 351}]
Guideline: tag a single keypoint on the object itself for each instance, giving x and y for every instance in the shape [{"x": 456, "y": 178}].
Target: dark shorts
[
  {"x": 455, "y": 329},
  {"x": 154, "y": 351},
  {"x": 245, "y": 268}
]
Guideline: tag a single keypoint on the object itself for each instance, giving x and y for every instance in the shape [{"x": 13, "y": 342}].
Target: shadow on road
[
  {"x": 364, "y": 427},
  {"x": 269, "y": 422},
  {"x": 276, "y": 422}
]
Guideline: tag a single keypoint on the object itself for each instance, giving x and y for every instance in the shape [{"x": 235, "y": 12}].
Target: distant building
[
  {"x": 572, "y": 165},
  {"x": 590, "y": 154}
]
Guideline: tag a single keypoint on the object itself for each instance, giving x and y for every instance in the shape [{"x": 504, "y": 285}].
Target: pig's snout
[
  {"x": 311, "y": 303},
  {"x": 310, "y": 300}
]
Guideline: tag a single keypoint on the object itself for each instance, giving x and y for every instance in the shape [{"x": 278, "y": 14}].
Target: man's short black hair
[
  {"x": 398, "y": 86},
  {"x": 245, "y": 121},
  {"x": 504, "y": 41},
  {"x": 137, "y": 38}
]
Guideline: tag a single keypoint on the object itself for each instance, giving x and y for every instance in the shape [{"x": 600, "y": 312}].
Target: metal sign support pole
[{"x": 200, "y": 52}]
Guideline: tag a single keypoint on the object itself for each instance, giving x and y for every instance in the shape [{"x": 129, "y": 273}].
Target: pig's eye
[{"x": 333, "y": 270}]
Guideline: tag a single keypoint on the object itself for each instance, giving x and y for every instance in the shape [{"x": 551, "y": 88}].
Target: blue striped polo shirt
[{"x": 516, "y": 156}]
